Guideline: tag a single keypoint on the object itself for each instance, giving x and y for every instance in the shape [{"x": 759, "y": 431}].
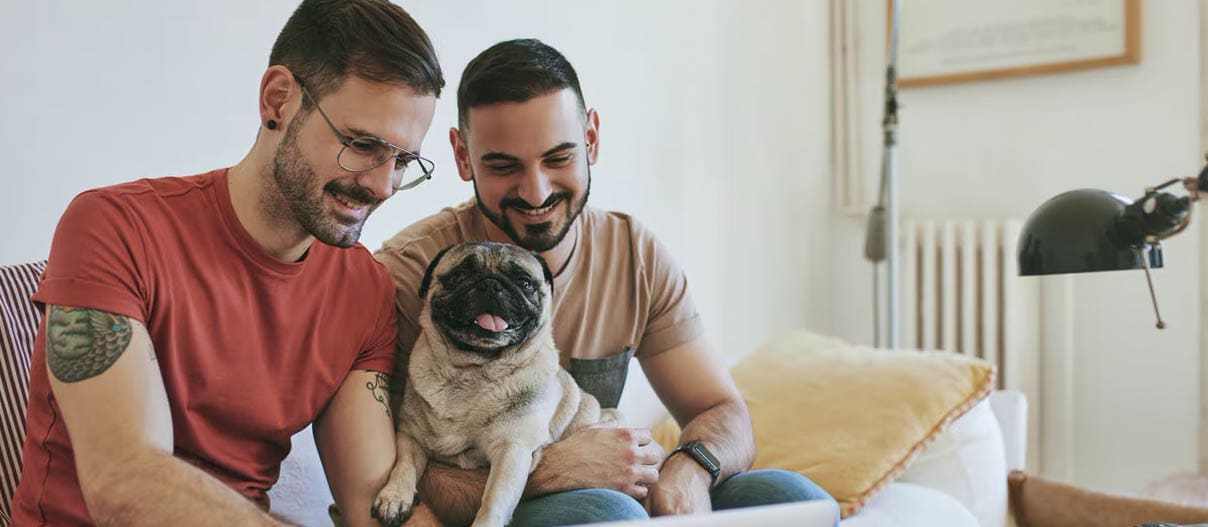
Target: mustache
[
  {"x": 517, "y": 203},
  {"x": 354, "y": 193}
]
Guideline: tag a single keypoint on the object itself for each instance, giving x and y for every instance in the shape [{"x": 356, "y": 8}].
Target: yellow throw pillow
[{"x": 850, "y": 418}]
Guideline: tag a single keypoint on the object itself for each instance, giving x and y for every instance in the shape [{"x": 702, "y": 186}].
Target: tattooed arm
[
  {"x": 355, "y": 436},
  {"x": 108, "y": 386}
]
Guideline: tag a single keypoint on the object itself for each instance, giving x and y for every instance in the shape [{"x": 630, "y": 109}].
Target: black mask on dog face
[{"x": 487, "y": 298}]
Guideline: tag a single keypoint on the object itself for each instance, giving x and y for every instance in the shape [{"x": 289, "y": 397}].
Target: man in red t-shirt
[{"x": 192, "y": 324}]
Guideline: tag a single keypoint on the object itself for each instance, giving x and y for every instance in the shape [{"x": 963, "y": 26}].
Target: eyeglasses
[{"x": 361, "y": 154}]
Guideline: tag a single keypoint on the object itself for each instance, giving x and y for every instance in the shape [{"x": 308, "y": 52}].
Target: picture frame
[{"x": 953, "y": 41}]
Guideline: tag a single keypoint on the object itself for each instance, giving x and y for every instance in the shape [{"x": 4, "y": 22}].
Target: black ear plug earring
[{"x": 271, "y": 124}]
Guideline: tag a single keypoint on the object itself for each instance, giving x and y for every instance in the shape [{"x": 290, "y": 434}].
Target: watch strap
[{"x": 693, "y": 449}]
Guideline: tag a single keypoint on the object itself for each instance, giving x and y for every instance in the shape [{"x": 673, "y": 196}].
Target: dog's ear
[
  {"x": 427, "y": 281},
  {"x": 549, "y": 277}
]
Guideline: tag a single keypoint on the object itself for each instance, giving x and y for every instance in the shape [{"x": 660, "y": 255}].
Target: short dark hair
[
  {"x": 325, "y": 41},
  {"x": 514, "y": 71}
]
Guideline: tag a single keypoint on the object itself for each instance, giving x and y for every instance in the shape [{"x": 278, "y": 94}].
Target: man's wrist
[
  {"x": 681, "y": 465},
  {"x": 546, "y": 477},
  {"x": 696, "y": 452}
]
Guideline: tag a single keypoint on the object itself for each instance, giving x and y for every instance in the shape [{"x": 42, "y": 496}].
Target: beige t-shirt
[{"x": 620, "y": 293}]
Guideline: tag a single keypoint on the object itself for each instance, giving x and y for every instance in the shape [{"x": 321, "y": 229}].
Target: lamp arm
[{"x": 1151, "y": 190}]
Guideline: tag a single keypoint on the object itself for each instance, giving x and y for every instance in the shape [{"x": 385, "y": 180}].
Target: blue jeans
[{"x": 747, "y": 489}]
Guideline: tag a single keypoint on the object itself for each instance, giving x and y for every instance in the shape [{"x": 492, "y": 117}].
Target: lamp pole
[
  {"x": 881, "y": 241},
  {"x": 889, "y": 169}
]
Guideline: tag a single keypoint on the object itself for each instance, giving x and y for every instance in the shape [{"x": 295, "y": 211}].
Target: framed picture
[{"x": 948, "y": 41}]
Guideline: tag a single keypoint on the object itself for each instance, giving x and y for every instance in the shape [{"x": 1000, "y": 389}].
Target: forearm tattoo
[
  {"x": 379, "y": 387},
  {"x": 83, "y": 343}
]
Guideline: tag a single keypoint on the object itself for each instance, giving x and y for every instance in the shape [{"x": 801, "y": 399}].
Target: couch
[{"x": 959, "y": 481}]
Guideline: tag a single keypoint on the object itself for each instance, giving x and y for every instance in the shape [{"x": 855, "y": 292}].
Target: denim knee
[
  {"x": 766, "y": 487},
  {"x": 578, "y": 506}
]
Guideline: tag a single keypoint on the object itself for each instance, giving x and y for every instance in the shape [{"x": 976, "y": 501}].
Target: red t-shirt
[{"x": 250, "y": 348}]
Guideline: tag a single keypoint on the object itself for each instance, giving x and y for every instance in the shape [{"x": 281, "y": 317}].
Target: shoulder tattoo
[{"x": 82, "y": 343}]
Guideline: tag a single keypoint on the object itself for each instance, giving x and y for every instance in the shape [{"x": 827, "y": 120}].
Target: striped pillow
[{"x": 19, "y": 321}]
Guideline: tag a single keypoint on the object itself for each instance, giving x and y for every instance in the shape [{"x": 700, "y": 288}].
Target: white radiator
[{"x": 961, "y": 293}]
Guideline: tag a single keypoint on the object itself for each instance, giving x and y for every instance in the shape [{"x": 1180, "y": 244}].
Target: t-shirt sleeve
[
  {"x": 378, "y": 354},
  {"x": 673, "y": 319},
  {"x": 97, "y": 259}
]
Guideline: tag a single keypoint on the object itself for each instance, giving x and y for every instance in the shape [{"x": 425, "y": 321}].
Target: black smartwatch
[{"x": 702, "y": 456}]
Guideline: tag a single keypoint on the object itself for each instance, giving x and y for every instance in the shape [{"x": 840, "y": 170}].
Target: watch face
[
  {"x": 704, "y": 457},
  {"x": 702, "y": 452}
]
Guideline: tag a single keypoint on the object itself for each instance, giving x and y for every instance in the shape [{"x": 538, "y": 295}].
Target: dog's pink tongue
[{"x": 491, "y": 322}]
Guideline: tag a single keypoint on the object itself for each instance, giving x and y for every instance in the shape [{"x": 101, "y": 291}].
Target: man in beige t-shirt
[
  {"x": 527, "y": 141},
  {"x": 617, "y": 296}
]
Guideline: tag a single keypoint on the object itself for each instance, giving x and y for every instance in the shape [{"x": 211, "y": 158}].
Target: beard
[
  {"x": 301, "y": 198},
  {"x": 538, "y": 237}
]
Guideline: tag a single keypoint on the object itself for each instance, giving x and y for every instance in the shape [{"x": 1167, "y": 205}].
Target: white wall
[
  {"x": 998, "y": 149},
  {"x": 1203, "y": 241},
  {"x": 714, "y": 123}
]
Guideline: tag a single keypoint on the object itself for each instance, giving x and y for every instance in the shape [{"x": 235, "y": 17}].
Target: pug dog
[{"x": 484, "y": 386}]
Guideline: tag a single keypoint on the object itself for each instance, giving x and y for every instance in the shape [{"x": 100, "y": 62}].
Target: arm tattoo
[
  {"x": 83, "y": 343},
  {"x": 379, "y": 387}
]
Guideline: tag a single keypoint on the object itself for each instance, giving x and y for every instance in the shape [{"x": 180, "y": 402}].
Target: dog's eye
[{"x": 526, "y": 284}]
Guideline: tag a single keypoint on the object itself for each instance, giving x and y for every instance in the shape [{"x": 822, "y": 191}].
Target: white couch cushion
[
  {"x": 639, "y": 404},
  {"x": 910, "y": 505},
  {"x": 301, "y": 494},
  {"x": 1011, "y": 409},
  {"x": 967, "y": 463}
]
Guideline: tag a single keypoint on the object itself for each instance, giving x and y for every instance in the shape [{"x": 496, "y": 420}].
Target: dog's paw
[{"x": 393, "y": 506}]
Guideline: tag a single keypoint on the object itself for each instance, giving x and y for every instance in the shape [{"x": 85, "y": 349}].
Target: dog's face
[{"x": 487, "y": 298}]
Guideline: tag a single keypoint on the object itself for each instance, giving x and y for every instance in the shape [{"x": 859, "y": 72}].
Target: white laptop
[{"x": 802, "y": 514}]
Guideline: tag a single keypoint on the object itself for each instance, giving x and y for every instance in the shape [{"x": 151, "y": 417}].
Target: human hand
[
  {"x": 601, "y": 456},
  {"x": 683, "y": 488}
]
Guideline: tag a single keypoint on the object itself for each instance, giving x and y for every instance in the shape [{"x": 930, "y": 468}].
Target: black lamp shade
[{"x": 1074, "y": 233}]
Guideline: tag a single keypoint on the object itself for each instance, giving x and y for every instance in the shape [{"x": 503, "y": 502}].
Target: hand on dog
[
  {"x": 602, "y": 456},
  {"x": 683, "y": 488}
]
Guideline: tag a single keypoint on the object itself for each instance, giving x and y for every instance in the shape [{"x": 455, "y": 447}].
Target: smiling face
[
  {"x": 530, "y": 164},
  {"x": 311, "y": 189},
  {"x": 487, "y": 298}
]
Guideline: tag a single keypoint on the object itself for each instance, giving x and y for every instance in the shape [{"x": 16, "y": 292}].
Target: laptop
[{"x": 801, "y": 514}]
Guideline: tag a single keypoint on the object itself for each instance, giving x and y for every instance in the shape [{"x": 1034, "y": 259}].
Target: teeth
[
  {"x": 537, "y": 212},
  {"x": 348, "y": 203}
]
